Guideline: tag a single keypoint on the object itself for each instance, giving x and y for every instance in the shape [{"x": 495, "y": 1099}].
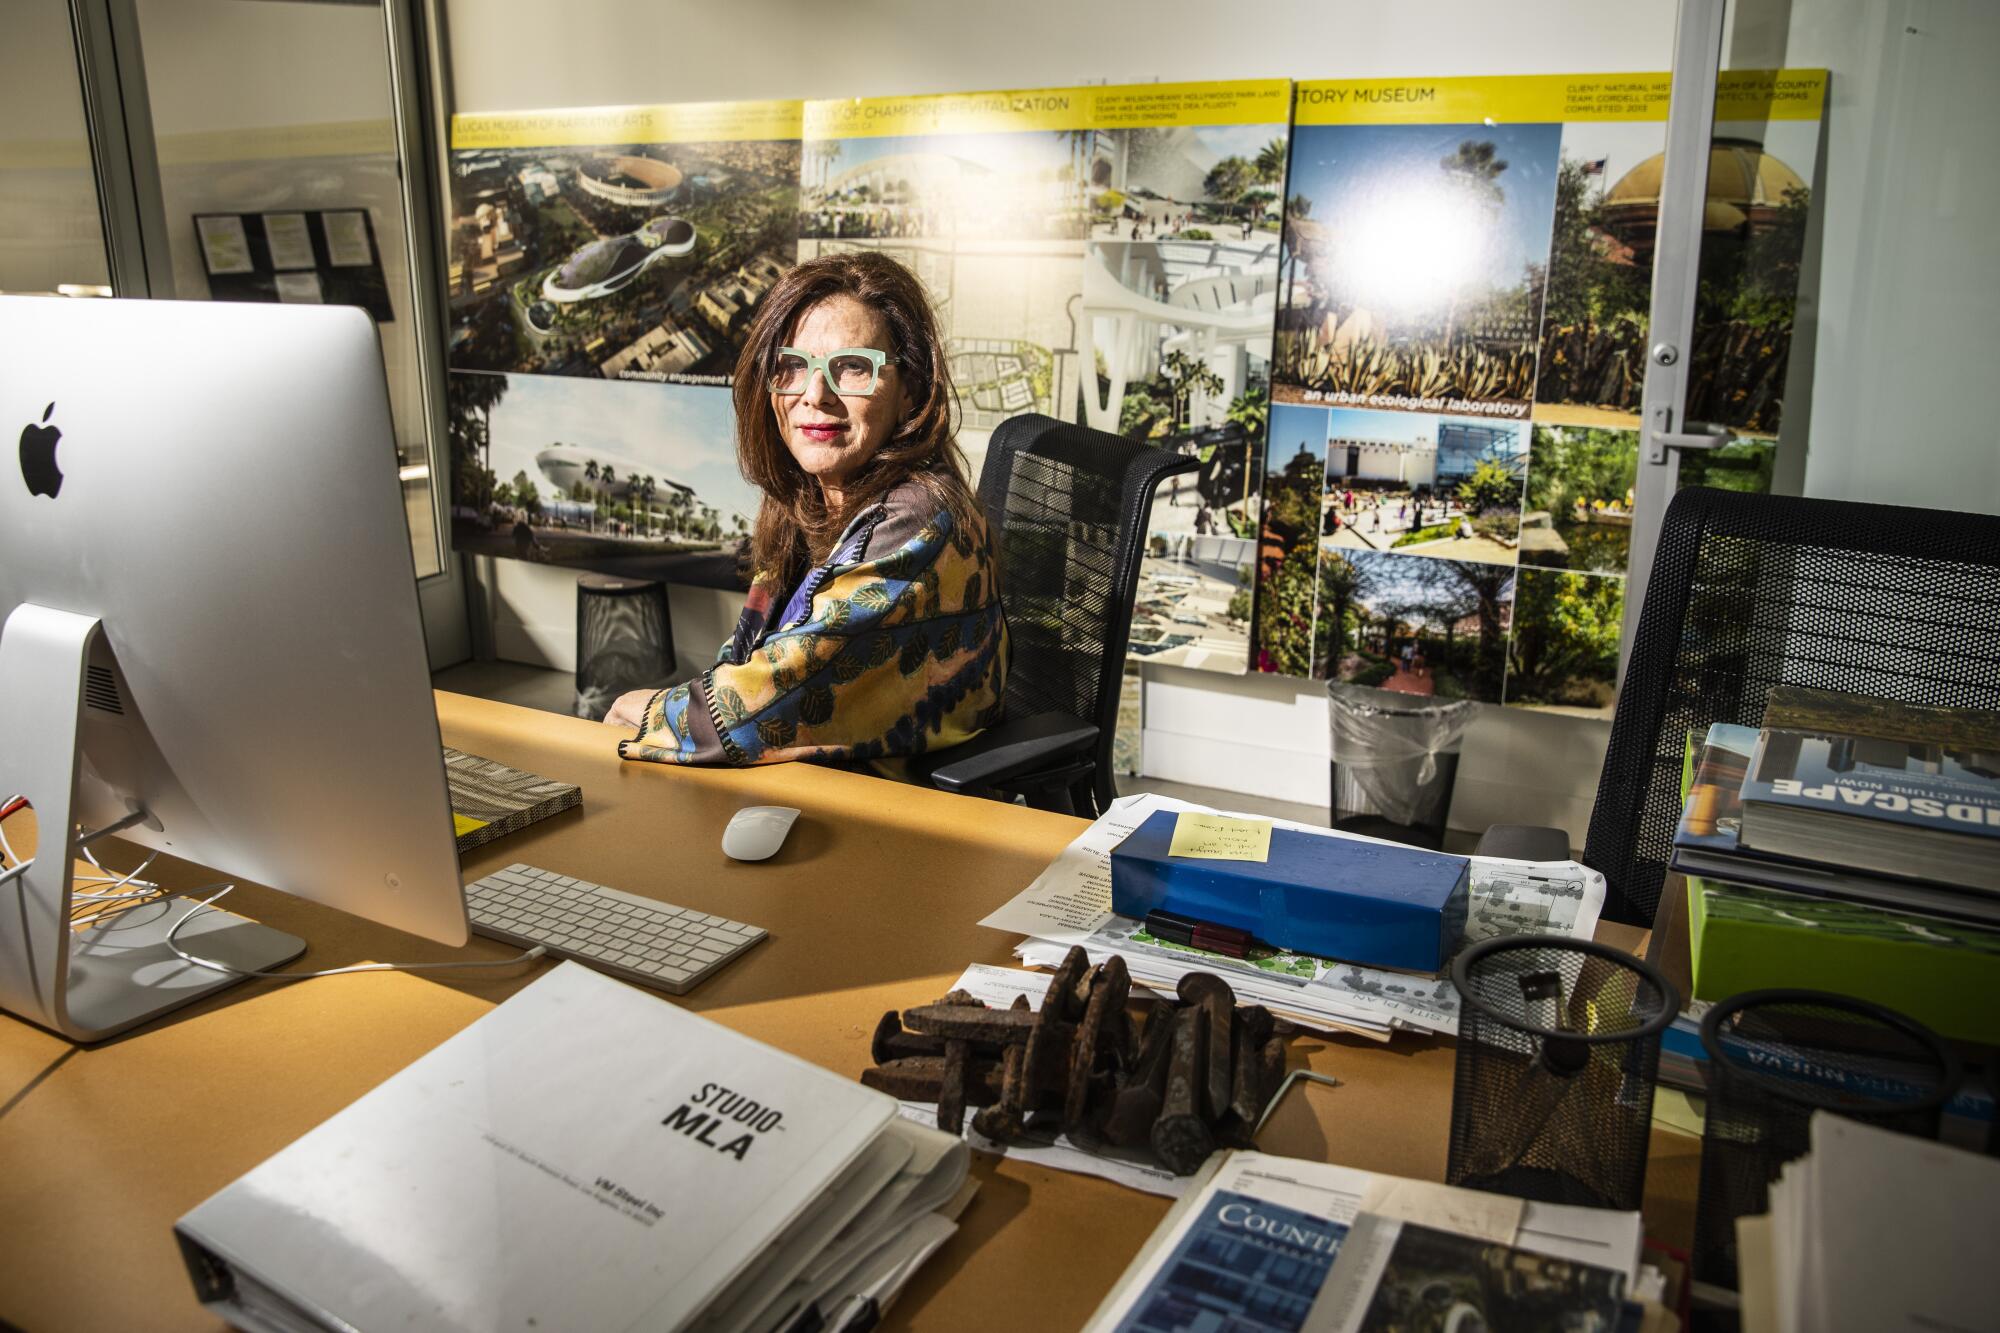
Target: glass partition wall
[{"x": 246, "y": 150}]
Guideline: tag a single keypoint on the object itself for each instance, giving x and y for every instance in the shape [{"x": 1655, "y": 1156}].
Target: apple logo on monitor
[{"x": 38, "y": 456}]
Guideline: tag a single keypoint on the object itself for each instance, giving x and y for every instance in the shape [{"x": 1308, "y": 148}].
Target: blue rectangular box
[{"x": 1379, "y": 904}]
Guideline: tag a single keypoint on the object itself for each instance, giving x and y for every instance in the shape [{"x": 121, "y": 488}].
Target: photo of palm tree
[
  {"x": 638, "y": 480},
  {"x": 1414, "y": 624},
  {"x": 1413, "y": 265},
  {"x": 1289, "y": 590}
]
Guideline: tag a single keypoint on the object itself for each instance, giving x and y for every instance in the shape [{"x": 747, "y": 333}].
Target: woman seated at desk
[{"x": 873, "y": 627}]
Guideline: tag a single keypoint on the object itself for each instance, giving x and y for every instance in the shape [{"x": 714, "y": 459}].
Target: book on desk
[
  {"x": 1256, "y": 1238},
  {"x": 490, "y": 799},
  {"x": 1925, "y": 942},
  {"x": 583, "y": 1156}
]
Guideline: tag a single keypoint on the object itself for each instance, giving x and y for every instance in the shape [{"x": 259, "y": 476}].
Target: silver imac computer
[{"x": 211, "y": 643}]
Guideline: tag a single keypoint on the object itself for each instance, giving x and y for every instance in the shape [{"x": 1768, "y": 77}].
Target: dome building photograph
[{"x": 1591, "y": 363}]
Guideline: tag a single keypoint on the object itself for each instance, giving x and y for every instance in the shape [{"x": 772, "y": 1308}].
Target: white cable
[
  {"x": 106, "y": 896},
  {"x": 207, "y": 902},
  {"x": 110, "y": 895}
]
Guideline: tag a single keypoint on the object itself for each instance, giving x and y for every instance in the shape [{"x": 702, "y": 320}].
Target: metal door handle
[{"x": 1699, "y": 435}]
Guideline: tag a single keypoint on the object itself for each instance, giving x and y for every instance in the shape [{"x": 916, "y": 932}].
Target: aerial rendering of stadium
[
  {"x": 632, "y": 182},
  {"x": 608, "y": 264}
]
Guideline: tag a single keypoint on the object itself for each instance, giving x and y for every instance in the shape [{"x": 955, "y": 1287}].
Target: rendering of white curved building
[
  {"x": 564, "y": 465},
  {"x": 606, "y": 265},
  {"x": 631, "y": 182},
  {"x": 1212, "y": 300}
]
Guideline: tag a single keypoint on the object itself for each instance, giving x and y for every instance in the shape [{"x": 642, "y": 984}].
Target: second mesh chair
[
  {"x": 1068, "y": 508},
  {"x": 1751, "y": 591}
]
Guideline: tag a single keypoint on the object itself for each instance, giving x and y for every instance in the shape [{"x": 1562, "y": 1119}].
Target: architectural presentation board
[
  {"x": 1400, "y": 323},
  {"x": 1104, "y": 254},
  {"x": 1459, "y": 357},
  {"x": 616, "y": 243}
]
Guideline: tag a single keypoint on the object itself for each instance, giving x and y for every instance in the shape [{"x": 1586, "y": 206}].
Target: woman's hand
[{"x": 628, "y": 710}]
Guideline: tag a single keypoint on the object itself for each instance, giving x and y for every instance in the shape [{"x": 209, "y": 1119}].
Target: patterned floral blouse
[{"x": 893, "y": 646}]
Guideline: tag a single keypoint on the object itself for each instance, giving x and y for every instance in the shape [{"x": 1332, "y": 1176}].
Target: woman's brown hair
[{"x": 794, "y": 527}]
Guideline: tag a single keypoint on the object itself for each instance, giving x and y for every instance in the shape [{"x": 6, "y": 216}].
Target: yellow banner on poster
[
  {"x": 1020, "y": 110},
  {"x": 1786, "y": 94},
  {"x": 680, "y": 122}
]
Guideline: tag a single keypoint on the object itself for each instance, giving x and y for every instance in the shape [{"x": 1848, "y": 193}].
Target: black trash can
[
  {"x": 624, "y": 640},
  {"x": 1395, "y": 757}
]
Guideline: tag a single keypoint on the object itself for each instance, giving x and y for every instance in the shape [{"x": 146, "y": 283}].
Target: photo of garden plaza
[
  {"x": 1186, "y": 182},
  {"x": 1423, "y": 485}
]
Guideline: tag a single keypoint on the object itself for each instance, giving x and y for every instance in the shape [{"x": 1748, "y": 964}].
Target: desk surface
[{"x": 871, "y": 906}]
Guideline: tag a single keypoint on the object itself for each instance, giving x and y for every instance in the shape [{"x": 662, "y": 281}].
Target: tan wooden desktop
[{"x": 872, "y": 905}]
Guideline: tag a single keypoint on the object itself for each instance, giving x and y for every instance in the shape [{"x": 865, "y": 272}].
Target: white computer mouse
[{"x": 756, "y": 832}]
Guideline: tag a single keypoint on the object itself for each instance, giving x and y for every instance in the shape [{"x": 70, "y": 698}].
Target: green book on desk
[
  {"x": 1941, "y": 973},
  {"x": 490, "y": 799}
]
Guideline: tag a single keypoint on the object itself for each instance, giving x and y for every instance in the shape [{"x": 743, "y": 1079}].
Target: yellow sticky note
[
  {"x": 464, "y": 824},
  {"x": 1220, "y": 838}
]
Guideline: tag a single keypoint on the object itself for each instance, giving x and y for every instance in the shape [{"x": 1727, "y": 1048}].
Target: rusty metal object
[
  {"x": 1062, "y": 993},
  {"x": 1211, "y": 994},
  {"x": 1270, "y": 1070},
  {"x": 952, "y": 1094},
  {"x": 1045, "y": 1063},
  {"x": 921, "y": 1078},
  {"x": 1003, "y": 1120},
  {"x": 1247, "y": 1093},
  {"x": 1192, "y": 1075},
  {"x": 1135, "y": 1106},
  {"x": 892, "y": 1043},
  {"x": 1109, "y": 989},
  {"x": 1181, "y": 1137},
  {"x": 994, "y": 1027}
]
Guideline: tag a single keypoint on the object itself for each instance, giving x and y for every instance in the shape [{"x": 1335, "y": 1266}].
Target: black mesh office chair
[
  {"x": 1751, "y": 591},
  {"x": 1068, "y": 509}
]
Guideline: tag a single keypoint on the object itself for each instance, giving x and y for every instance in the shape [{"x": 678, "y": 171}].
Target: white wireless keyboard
[{"x": 623, "y": 934}]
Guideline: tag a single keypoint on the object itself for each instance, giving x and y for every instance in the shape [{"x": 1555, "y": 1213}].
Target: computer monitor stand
[{"x": 92, "y": 983}]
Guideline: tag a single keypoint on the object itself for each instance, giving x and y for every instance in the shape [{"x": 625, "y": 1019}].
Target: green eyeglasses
[{"x": 852, "y": 372}]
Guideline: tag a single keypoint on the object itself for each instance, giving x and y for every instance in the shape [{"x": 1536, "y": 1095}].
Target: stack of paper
[
  {"x": 1874, "y": 1231},
  {"x": 1070, "y": 904},
  {"x": 586, "y": 1156},
  {"x": 1256, "y": 1240}
]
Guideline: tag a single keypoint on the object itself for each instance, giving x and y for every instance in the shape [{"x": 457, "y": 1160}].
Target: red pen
[{"x": 1224, "y": 940}]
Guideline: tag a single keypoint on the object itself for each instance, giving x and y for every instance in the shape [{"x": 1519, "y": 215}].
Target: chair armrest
[
  {"x": 1524, "y": 842},
  {"x": 1018, "y": 747}
]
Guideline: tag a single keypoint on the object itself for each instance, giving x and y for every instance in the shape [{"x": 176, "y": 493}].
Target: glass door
[{"x": 280, "y": 179}]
